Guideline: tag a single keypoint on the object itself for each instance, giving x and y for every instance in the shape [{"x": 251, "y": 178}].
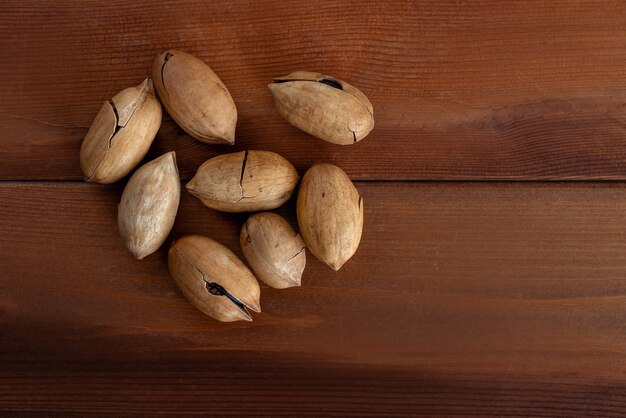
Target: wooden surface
[
  {"x": 480, "y": 90},
  {"x": 459, "y": 293},
  {"x": 464, "y": 298}
]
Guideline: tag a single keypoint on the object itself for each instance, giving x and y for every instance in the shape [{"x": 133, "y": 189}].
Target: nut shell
[
  {"x": 195, "y": 97},
  {"x": 149, "y": 204},
  {"x": 323, "y": 106},
  {"x": 196, "y": 263},
  {"x": 273, "y": 249},
  {"x": 245, "y": 181},
  {"x": 121, "y": 134},
  {"x": 330, "y": 214}
]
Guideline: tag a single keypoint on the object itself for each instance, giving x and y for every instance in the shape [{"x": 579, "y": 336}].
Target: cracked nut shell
[
  {"x": 121, "y": 134},
  {"x": 149, "y": 204},
  {"x": 273, "y": 249},
  {"x": 323, "y": 106},
  {"x": 330, "y": 214},
  {"x": 195, "y": 97},
  {"x": 246, "y": 181},
  {"x": 213, "y": 278}
]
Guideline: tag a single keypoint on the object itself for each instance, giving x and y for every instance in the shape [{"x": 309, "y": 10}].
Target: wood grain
[
  {"x": 463, "y": 298},
  {"x": 461, "y": 90}
]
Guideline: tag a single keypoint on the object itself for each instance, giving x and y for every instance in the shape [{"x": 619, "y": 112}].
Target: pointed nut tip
[
  {"x": 335, "y": 267},
  {"x": 294, "y": 284},
  {"x": 225, "y": 139},
  {"x": 139, "y": 255},
  {"x": 245, "y": 316}
]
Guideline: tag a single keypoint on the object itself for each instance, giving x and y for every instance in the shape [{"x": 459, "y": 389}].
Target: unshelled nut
[
  {"x": 121, "y": 134},
  {"x": 245, "y": 181},
  {"x": 149, "y": 204},
  {"x": 330, "y": 214},
  {"x": 195, "y": 97},
  {"x": 213, "y": 278},
  {"x": 273, "y": 249},
  {"x": 323, "y": 106}
]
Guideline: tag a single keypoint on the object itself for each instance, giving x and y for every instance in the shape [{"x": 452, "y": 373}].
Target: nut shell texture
[
  {"x": 149, "y": 204},
  {"x": 245, "y": 181},
  {"x": 323, "y": 106},
  {"x": 195, "y": 97},
  {"x": 273, "y": 249},
  {"x": 330, "y": 214},
  {"x": 196, "y": 262},
  {"x": 121, "y": 134}
]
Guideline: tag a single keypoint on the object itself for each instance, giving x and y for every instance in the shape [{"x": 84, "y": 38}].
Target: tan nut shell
[
  {"x": 195, "y": 97},
  {"x": 323, "y": 106},
  {"x": 149, "y": 204},
  {"x": 194, "y": 261},
  {"x": 245, "y": 181},
  {"x": 273, "y": 249},
  {"x": 330, "y": 214},
  {"x": 121, "y": 134}
]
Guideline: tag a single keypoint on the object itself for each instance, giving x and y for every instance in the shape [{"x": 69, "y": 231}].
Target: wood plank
[
  {"x": 463, "y": 298},
  {"x": 471, "y": 90}
]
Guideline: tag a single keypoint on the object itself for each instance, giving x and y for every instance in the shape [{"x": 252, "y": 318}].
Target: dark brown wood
[
  {"x": 464, "y": 298},
  {"x": 470, "y": 90}
]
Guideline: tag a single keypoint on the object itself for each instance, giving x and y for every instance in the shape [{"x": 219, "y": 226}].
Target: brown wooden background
[{"x": 465, "y": 297}]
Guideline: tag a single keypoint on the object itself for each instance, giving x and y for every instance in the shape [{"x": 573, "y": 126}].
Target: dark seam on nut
[
  {"x": 117, "y": 121},
  {"x": 212, "y": 287},
  {"x": 117, "y": 129},
  {"x": 168, "y": 55},
  {"x": 296, "y": 254},
  {"x": 245, "y": 197},
  {"x": 243, "y": 171},
  {"x": 218, "y": 290},
  {"x": 332, "y": 83},
  {"x": 329, "y": 82},
  {"x": 324, "y": 80},
  {"x": 353, "y": 135}
]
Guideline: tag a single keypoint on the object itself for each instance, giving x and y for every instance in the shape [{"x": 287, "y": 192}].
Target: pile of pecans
[{"x": 211, "y": 276}]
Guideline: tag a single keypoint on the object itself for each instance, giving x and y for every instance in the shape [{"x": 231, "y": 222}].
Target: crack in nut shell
[
  {"x": 323, "y": 106},
  {"x": 273, "y": 249},
  {"x": 121, "y": 134},
  {"x": 246, "y": 181},
  {"x": 194, "y": 261},
  {"x": 195, "y": 97}
]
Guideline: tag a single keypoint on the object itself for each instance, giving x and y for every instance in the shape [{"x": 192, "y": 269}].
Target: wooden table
[{"x": 486, "y": 282}]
